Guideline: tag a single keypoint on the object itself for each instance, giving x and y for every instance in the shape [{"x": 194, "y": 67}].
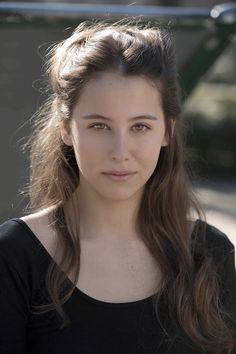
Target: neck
[{"x": 100, "y": 218}]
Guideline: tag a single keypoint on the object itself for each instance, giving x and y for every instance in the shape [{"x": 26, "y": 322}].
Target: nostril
[{"x": 120, "y": 149}]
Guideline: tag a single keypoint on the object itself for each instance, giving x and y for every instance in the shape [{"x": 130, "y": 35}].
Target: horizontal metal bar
[
  {"x": 90, "y": 10},
  {"x": 224, "y": 13}
]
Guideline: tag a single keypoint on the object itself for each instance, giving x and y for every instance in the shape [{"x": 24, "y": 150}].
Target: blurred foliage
[{"x": 210, "y": 117}]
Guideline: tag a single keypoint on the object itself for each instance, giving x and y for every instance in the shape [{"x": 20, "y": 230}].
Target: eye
[
  {"x": 141, "y": 127},
  {"x": 99, "y": 126}
]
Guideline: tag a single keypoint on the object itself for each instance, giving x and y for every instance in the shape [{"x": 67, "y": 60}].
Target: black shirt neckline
[{"x": 78, "y": 291}]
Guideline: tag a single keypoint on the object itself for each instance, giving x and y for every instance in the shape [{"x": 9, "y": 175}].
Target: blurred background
[{"x": 205, "y": 40}]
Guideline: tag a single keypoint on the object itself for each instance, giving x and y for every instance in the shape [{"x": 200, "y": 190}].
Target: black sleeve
[
  {"x": 228, "y": 287},
  {"x": 14, "y": 297}
]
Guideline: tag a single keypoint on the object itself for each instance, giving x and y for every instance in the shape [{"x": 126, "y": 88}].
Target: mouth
[{"x": 119, "y": 175}]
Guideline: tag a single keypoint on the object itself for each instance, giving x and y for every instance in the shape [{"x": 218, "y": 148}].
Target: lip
[
  {"x": 118, "y": 173},
  {"x": 119, "y": 176}
]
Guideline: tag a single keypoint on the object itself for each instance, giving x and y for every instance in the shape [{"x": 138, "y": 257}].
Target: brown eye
[
  {"x": 99, "y": 126},
  {"x": 141, "y": 127}
]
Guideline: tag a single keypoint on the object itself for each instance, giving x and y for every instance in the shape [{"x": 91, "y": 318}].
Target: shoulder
[
  {"x": 14, "y": 233},
  {"x": 17, "y": 244},
  {"x": 20, "y": 256},
  {"x": 20, "y": 240},
  {"x": 212, "y": 241},
  {"x": 41, "y": 228}
]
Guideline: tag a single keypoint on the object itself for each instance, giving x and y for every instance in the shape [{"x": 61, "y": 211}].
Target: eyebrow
[{"x": 100, "y": 116}]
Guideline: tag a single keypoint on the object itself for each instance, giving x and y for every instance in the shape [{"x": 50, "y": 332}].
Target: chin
[{"x": 119, "y": 195}]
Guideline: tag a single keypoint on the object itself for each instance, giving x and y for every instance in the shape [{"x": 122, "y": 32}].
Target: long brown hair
[{"x": 167, "y": 202}]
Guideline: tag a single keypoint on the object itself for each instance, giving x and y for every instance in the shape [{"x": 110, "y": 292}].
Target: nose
[{"x": 119, "y": 147}]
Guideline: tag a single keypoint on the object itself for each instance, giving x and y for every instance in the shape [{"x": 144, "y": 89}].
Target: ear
[
  {"x": 65, "y": 132},
  {"x": 165, "y": 140}
]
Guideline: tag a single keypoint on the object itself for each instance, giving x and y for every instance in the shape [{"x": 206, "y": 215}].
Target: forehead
[
  {"x": 113, "y": 92},
  {"x": 116, "y": 81}
]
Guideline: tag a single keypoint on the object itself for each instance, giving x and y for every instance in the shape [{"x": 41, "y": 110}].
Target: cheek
[
  {"x": 153, "y": 157},
  {"x": 88, "y": 151},
  {"x": 150, "y": 148},
  {"x": 152, "y": 160}
]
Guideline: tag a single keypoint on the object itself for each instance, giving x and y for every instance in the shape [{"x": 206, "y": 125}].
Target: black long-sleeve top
[{"x": 95, "y": 327}]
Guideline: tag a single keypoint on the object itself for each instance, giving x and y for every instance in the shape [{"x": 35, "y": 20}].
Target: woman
[{"x": 111, "y": 258}]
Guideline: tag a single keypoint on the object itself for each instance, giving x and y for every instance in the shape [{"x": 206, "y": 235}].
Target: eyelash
[{"x": 104, "y": 125}]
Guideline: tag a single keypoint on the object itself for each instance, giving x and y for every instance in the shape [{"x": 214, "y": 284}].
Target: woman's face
[{"x": 117, "y": 129}]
